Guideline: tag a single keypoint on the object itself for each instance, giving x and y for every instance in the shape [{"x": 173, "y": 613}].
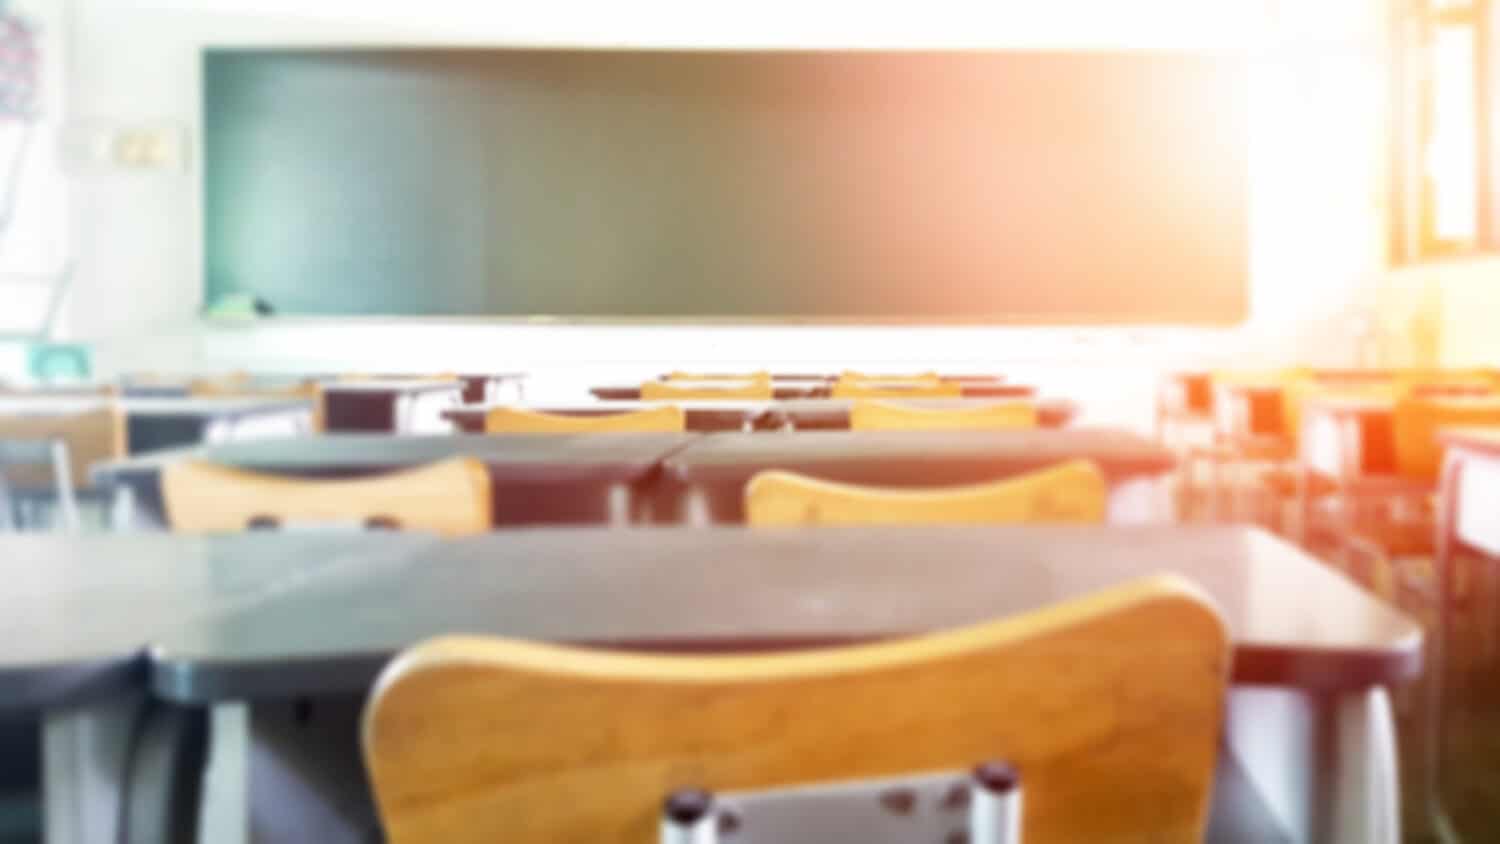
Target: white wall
[{"x": 138, "y": 235}]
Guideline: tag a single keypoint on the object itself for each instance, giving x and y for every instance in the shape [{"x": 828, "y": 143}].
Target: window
[
  {"x": 1440, "y": 143},
  {"x": 33, "y": 195}
]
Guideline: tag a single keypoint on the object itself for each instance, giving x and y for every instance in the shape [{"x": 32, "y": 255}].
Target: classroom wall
[{"x": 1318, "y": 224}]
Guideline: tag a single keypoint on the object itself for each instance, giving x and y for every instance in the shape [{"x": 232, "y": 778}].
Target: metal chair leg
[{"x": 62, "y": 478}]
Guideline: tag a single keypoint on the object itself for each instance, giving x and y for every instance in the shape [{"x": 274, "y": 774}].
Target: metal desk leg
[
  {"x": 1325, "y": 763},
  {"x": 125, "y": 514},
  {"x": 1366, "y": 792},
  {"x": 697, "y": 510},
  {"x": 85, "y": 751},
  {"x": 617, "y": 503},
  {"x": 225, "y": 813},
  {"x": 163, "y": 787},
  {"x": 1442, "y": 564}
]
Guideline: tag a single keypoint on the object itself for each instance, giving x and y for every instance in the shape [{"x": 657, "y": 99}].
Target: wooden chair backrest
[
  {"x": 1417, "y": 421},
  {"x": 92, "y": 436},
  {"x": 513, "y": 420},
  {"x": 451, "y": 497},
  {"x": 886, "y": 416},
  {"x": 1448, "y": 382},
  {"x": 679, "y": 375},
  {"x": 896, "y": 390},
  {"x": 1300, "y": 389},
  {"x": 666, "y": 391},
  {"x": 852, "y": 376},
  {"x": 60, "y": 390},
  {"x": 1070, "y": 492},
  {"x": 1110, "y": 705}
]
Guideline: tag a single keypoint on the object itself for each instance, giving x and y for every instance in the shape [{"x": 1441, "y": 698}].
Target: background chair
[
  {"x": 852, "y": 376},
  {"x": 664, "y": 391},
  {"x": 481, "y": 740},
  {"x": 1074, "y": 491},
  {"x": 897, "y": 390},
  {"x": 886, "y": 416},
  {"x": 451, "y": 497},
  {"x": 667, "y": 418},
  {"x": 49, "y": 454},
  {"x": 1391, "y": 526},
  {"x": 760, "y": 375}
]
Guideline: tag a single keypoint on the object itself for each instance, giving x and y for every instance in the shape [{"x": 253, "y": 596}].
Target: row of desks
[
  {"x": 219, "y": 622},
  {"x": 156, "y": 422},
  {"x": 694, "y": 478},
  {"x": 751, "y": 414},
  {"x": 811, "y": 387}
]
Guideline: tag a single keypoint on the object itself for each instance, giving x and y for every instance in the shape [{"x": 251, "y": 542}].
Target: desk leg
[
  {"x": 1304, "y": 503},
  {"x": 85, "y": 753},
  {"x": 1366, "y": 775},
  {"x": 1445, "y": 546},
  {"x": 697, "y": 511},
  {"x": 617, "y": 504},
  {"x": 1325, "y": 764},
  {"x": 225, "y": 813}
]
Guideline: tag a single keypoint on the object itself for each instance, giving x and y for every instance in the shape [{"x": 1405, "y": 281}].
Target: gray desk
[
  {"x": 1311, "y": 649},
  {"x": 493, "y": 387},
  {"x": 1294, "y": 621},
  {"x": 780, "y": 389},
  {"x": 76, "y": 617},
  {"x": 805, "y": 387},
  {"x": 537, "y": 478},
  {"x": 718, "y": 415},
  {"x": 705, "y": 482},
  {"x": 390, "y": 405},
  {"x": 165, "y": 422}
]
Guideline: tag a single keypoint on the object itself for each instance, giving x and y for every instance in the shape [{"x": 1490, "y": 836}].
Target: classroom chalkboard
[{"x": 991, "y": 186}]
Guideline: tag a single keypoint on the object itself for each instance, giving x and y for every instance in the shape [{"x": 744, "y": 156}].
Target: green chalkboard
[{"x": 924, "y": 186}]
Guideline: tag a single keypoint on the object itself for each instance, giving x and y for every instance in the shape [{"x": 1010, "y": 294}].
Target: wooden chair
[
  {"x": 679, "y": 375},
  {"x": 451, "y": 497},
  {"x": 864, "y": 377},
  {"x": 91, "y": 436},
  {"x": 885, "y": 416},
  {"x": 1417, "y": 420},
  {"x": 1071, "y": 492},
  {"x": 665, "y": 391},
  {"x": 59, "y": 391},
  {"x": 1110, "y": 706},
  {"x": 1390, "y": 533},
  {"x": 46, "y": 451},
  {"x": 513, "y": 420},
  {"x": 897, "y": 390}
]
